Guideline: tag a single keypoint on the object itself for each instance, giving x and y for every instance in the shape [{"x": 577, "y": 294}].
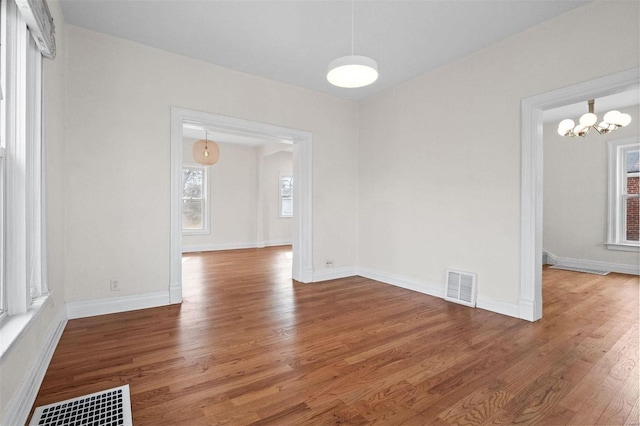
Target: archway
[
  {"x": 302, "y": 199},
  {"x": 530, "y": 302}
]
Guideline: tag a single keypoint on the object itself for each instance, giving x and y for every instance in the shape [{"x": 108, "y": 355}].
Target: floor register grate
[
  {"x": 111, "y": 407},
  {"x": 585, "y": 270}
]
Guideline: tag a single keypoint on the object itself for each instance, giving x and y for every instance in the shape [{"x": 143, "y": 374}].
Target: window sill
[
  {"x": 14, "y": 326},
  {"x": 623, "y": 247},
  {"x": 188, "y": 233}
]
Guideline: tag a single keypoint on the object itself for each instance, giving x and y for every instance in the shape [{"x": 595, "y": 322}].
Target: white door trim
[
  {"x": 302, "y": 200},
  {"x": 530, "y": 302}
]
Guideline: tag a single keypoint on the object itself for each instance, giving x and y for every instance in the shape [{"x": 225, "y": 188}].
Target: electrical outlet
[
  {"x": 115, "y": 285},
  {"x": 328, "y": 263}
]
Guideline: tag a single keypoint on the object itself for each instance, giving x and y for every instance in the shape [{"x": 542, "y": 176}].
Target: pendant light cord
[{"x": 351, "y": 27}]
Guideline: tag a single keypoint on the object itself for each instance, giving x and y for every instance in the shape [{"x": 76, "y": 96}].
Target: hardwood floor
[{"x": 249, "y": 346}]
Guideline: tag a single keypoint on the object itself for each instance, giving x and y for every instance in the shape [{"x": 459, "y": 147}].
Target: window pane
[
  {"x": 192, "y": 214},
  {"x": 287, "y": 207},
  {"x": 633, "y": 167},
  {"x": 192, "y": 183},
  {"x": 286, "y": 186},
  {"x": 633, "y": 161},
  {"x": 633, "y": 222}
]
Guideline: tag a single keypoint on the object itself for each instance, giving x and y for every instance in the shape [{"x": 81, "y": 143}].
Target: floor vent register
[
  {"x": 111, "y": 407},
  {"x": 584, "y": 270}
]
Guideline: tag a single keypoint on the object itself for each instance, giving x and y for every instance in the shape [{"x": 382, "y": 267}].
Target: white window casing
[
  {"x": 617, "y": 194},
  {"x": 23, "y": 273}
]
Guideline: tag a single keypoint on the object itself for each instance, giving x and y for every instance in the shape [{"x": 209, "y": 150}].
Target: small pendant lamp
[
  {"x": 352, "y": 71},
  {"x": 205, "y": 151}
]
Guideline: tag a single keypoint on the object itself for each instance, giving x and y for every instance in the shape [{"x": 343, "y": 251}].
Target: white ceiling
[{"x": 294, "y": 41}]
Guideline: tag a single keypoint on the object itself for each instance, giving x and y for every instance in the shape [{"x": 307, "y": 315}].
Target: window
[
  {"x": 286, "y": 195},
  {"x": 22, "y": 272},
  {"x": 624, "y": 197},
  {"x": 194, "y": 200}
]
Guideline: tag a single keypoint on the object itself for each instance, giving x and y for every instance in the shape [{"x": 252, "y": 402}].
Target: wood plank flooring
[{"x": 249, "y": 346}]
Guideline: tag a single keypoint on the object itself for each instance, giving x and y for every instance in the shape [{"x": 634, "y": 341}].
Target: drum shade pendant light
[
  {"x": 611, "y": 121},
  {"x": 352, "y": 71},
  {"x": 205, "y": 151}
]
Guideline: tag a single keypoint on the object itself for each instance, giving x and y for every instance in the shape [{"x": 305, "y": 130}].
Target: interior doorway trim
[
  {"x": 302, "y": 196},
  {"x": 530, "y": 302}
]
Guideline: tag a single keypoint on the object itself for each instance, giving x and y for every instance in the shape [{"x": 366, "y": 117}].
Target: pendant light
[
  {"x": 205, "y": 151},
  {"x": 611, "y": 121},
  {"x": 352, "y": 71}
]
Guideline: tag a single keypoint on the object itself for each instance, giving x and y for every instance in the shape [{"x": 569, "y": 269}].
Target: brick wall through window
[{"x": 633, "y": 210}]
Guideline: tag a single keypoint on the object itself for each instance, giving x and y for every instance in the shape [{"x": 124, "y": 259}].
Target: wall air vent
[{"x": 461, "y": 288}]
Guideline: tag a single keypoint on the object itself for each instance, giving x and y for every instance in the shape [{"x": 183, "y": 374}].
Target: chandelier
[{"x": 610, "y": 122}]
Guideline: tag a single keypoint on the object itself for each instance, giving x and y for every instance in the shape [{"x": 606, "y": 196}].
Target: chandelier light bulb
[
  {"x": 588, "y": 119},
  {"x": 612, "y": 117},
  {"x": 624, "y": 120},
  {"x": 581, "y": 130},
  {"x": 565, "y": 126},
  {"x": 604, "y": 127}
]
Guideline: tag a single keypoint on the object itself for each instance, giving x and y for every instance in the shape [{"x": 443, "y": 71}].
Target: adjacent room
[{"x": 204, "y": 221}]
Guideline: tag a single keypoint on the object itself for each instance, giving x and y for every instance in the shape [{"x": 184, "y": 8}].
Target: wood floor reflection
[{"x": 248, "y": 345}]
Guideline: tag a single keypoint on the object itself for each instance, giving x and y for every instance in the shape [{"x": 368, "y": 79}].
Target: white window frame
[
  {"x": 3, "y": 302},
  {"x": 617, "y": 197},
  {"x": 281, "y": 197},
  {"x": 205, "y": 200},
  {"x": 23, "y": 272}
]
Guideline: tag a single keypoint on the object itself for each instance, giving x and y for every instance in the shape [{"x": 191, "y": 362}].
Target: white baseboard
[
  {"x": 598, "y": 265},
  {"x": 437, "y": 290},
  {"x": 233, "y": 246},
  {"x": 549, "y": 258},
  {"x": 527, "y": 310},
  {"x": 498, "y": 306},
  {"x": 432, "y": 289},
  {"x": 175, "y": 293},
  {"x": 112, "y": 305},
  {"x": 334, "y": 273},
  {"x": 17, "y": 412}
]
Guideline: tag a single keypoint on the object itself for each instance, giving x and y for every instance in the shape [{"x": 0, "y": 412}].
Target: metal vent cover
[
  {"x": 576, "y": 269},
  {"x": 111, "y": 407},
  {"x": 461, "y": 288}
]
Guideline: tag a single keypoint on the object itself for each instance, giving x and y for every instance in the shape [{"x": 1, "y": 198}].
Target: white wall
[
  {"x": 243, "y": 196},
  {"x": 575, "y": 193},
  {"x": 439, "y": 156},
  {"x": 20, "y": 361},
  {"x": 232, "y": 199},
  {"x": 119, "y": 95}
]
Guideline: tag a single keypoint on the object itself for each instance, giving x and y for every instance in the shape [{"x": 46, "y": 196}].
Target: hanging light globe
[
  {"x": 352, "y": 71},
  {"x": 206, "y": 152}
]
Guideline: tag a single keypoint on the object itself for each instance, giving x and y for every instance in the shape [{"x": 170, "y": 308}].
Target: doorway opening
[
  {"x": 301, "y": 141},
  {"x": 530, "y": 302}
]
